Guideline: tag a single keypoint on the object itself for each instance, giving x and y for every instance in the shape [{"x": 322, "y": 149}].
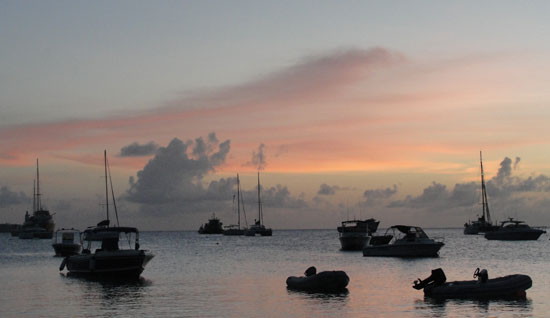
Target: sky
[{"x": 348, "y": 109}]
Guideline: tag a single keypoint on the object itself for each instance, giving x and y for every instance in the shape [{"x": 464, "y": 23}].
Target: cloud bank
[
  {"x": 136, "y": 150},
  {"x": 9, "y": 197}
]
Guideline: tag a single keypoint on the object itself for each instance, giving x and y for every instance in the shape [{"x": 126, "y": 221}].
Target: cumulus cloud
[
  {"x": 176, "y": 172},
  {"x": 136, "y": 150},
  {"x": 509, "y": 194},
  {"x": 326, "y": 189},
  {"x": 9, "y": 197},
  {"x": 373, "y": 196},
  {"x": 258, "y": 160}
]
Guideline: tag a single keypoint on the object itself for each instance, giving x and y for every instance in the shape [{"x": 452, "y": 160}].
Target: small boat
[
  {"x": 354, "y": 235},
  {"x": 483, "y": 223},
  {"x": 258, "y": 227},
  {"x": 214, "y": 226},
  {"x": 102, "y": 256},
  {"x": 328, "y": 281},
  {"x": 66, "y": 242},
  {"x": 506, "y": 287},
  {"x": 514, "y": 230},
  {"x": 235, "y": 229},
  {"x": 412, "y": 241}
]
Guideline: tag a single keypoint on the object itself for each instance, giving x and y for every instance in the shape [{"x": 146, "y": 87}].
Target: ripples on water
[{"x": 219, "y": 276}]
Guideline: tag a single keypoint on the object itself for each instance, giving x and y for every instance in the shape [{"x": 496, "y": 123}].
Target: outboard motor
[
  {"x": 436, "y": 278},
  {"x": 481, "y": 275},
  {"x": 310, "y": 271}
]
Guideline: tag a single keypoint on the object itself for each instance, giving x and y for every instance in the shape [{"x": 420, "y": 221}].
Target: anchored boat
[
  {"x": 408, "y": 241},
  {"x": 328, "y": 281},
  {"x": 354, "y": 235},
  {"x": 514, "y": 230},
  {"x": 507, "y": 287}
]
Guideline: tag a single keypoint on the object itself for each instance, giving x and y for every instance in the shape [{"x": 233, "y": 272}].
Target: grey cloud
[
  {"x": 373, "y": 196},
  {"x": 258, "y": 160},
  {"x": 174, "y": 175},
  {"x": 326, "y": 189},
  {"x": 9, "y": 197},
  {"x": 516, "y": 162},
  {"x": 136, "y": 150}
]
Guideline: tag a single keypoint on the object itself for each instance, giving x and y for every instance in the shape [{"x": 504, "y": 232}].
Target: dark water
[{"x": 218, "y": 276}]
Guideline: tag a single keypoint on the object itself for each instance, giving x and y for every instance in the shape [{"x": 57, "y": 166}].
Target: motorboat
[
  {"x": 354, "y": 235},
  {"x": 214, "y": 226},
  {"x": 66, "y": 242},
  {"x": 407, "y": 241},
  {"x": 102, "y": 256},
  {"x": 328, "y": 281},
  {"x": 506, "y": 287},
  {"x": 483, "y": 223},
  {"x": 109, "y": 260},
  {"x": 514, "y": 230},
  {"x": 258, "y": 227}
]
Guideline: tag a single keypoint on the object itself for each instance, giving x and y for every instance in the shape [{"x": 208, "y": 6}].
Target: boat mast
[
  {"x": 238, "y": 202},
  {"x": 484, "y": 201},
  {"x": 260, "y": 214},
  {"x": 113, "y": 193},
  {"x": 38, "y": 203},
  {"x": 34, "y": 195},
  {"x": 106, "y": 187}
]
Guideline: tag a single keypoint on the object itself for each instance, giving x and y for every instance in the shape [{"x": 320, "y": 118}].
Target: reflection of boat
[
  {"x": 354, "y": 234},
  {"x": 40, "y": 224},
  {"x": 329, "y": 281},
  {"x": 412, "y": 242},
  {"x": 514, "y": 230},
  {"x": 258, "y": 227},
  {"x": 511, "y": 286},
  {"x": 235, "y": 229},
  {"x": 483, "y": 223},
  {"x": 66, "y": 242},
  {"x": 109, "y": 260},
  {"x": 214, "y": 226}
]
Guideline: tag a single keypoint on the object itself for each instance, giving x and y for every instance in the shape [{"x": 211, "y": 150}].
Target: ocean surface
[{"x": 221, "y": 276}]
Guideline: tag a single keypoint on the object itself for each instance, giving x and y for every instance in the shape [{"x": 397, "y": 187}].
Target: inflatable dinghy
[
  {"x": 507, "y": 287},
  {"x": 328, "y": 281}
]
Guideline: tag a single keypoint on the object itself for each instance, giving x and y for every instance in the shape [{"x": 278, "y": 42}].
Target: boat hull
[
  {"x": 404, "y": 250},
  {"x": 531, "y": 235},
  {"x": 116, "y": 264},
  {"x": 511, "y": 286},
  {"x": 234, "y": 232},
  {"x": 353, "y": 243},
  {"x": 328, "y": 281},
  {"x": 65, "y": 249}
]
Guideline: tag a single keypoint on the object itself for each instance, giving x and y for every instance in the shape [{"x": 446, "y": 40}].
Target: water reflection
[
  {"x": 110, "y": 296},
  {"x": 323, "y": 301},
  {"x": 441, "y": 307}
]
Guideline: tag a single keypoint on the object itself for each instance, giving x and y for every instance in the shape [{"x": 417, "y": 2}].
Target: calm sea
[{"x": 217, "y": 276}]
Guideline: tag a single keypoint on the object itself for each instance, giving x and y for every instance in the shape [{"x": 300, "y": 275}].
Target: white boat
[
  {"x": 66, "y": 242},
  {"x": 408, "y": 241},
  {"x": 235, "y": 229}
]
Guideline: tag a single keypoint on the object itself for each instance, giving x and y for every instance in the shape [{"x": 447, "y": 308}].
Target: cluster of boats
[{"x": 215, "y": 226}]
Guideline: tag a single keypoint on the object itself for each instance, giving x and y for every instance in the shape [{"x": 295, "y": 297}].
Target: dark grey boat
[
  {"x": 408, "y": 241},
  {"x": 328, "y": 281},
  {"x": 258, "y": 227},
  {"x": 102, "y": 256},
  {"x": 235, "y": 229},
  {"x": 514, "y": 230},
  {"x": 506, "y": 287},
  {"x": 354, "y": 235}
]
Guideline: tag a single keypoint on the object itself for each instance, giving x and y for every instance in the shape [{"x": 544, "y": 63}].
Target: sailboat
[
  {"x": 40, "y": 224},
  {"x": 483, "y": 223},
  {"x": 235, "y": 229},
  {"x": 109, "y": 260},
  {"x": 258, "y": 227}
]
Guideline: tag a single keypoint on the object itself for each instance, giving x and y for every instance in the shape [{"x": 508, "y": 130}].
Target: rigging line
[{"x": 113, "y": 193}]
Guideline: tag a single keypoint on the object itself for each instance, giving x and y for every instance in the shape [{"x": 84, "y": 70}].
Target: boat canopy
[
  {"x": 410, "y": 229},
  {"x": 103, "y": 233}
]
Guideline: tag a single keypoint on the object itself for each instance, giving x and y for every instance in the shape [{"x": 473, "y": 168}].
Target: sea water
[{"x": 196, "y": 275}]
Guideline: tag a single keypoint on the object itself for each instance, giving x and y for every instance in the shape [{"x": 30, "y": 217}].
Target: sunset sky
[{"x": 347, "y": 109}]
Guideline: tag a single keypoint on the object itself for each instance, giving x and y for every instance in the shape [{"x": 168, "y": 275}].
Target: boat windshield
[
  {"x": 110, "y": 238},
  {"x": 411, "y": 231},
  {"x": 66, "y": 236}
]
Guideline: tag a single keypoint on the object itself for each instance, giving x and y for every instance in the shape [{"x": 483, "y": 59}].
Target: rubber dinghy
[
  {"x": 506, "y": 287},
  {"x": 328, "y": 281}
]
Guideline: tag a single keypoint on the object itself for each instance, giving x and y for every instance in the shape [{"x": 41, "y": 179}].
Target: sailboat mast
[
  {"x": 485, "y": 202},
  {"x": 238, "y": 202},
  {"x": 260, "y": 216},
  {"x": 38, "y": 203},
  {"x": 106, "y": 186},
  {"x": 34, "y": 195}
]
